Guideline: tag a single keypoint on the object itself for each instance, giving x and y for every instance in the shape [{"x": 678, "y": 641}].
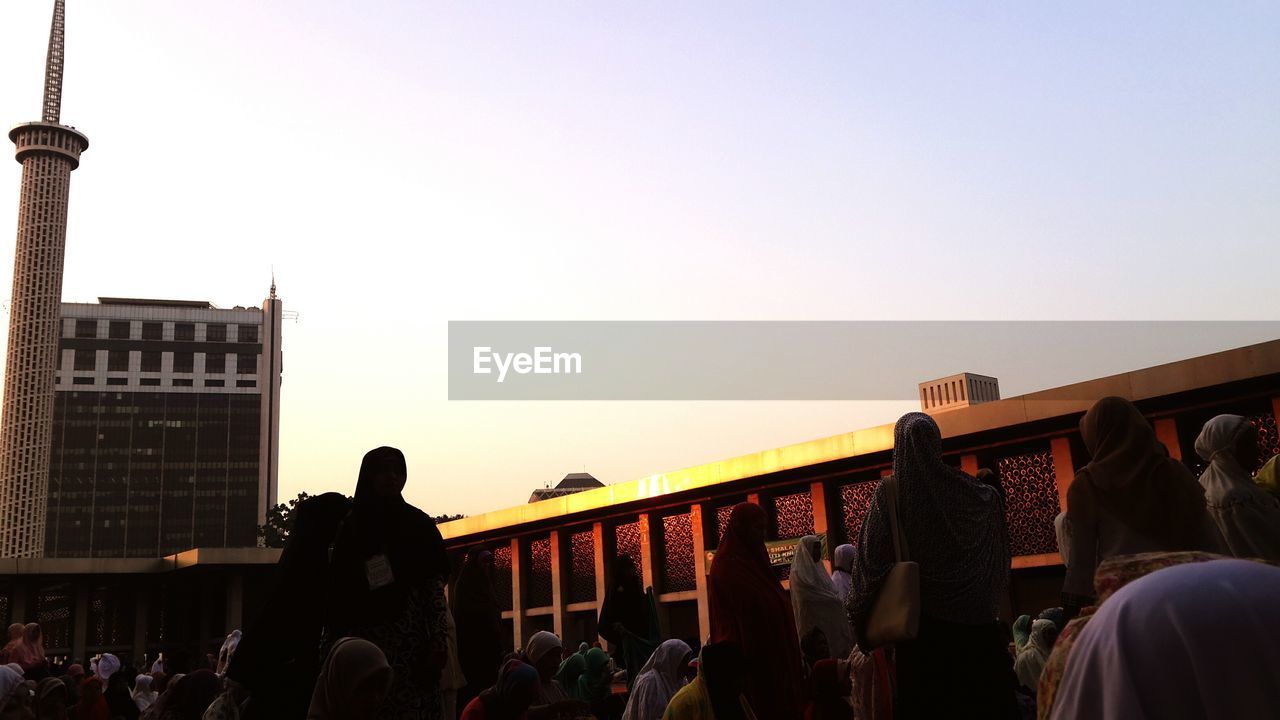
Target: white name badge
[{"x": 378, "y": 571}]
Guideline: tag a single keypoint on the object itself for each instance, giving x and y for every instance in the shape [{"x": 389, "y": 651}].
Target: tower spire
[{"x": 53, "y": 64}]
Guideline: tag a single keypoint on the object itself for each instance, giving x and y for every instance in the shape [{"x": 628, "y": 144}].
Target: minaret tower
[{"x": 48, "y": 152}]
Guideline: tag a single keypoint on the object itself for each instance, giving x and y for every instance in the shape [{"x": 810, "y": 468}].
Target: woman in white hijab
[
  {"x": 659, "y": 680},
  {"x": 143, "y": 696},
  {"x": 840, "y": 574},
  {"x": 1189, "y": 641},
  {"x": 1031, "y": 659},
  {"x": 814, "y": 600},
  {"x": 107, "y": 666},
  {"x": 1247, "y": 515}
]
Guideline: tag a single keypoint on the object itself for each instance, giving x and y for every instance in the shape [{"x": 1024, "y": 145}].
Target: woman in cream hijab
[
  {"x": 1247, "y": 515},
  {"x": 352, "y": 683},
  {"x": 814, "y": 600}
]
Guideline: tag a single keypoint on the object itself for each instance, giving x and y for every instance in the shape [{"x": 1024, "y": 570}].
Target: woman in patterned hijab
[{"x": 954, "y": 529}]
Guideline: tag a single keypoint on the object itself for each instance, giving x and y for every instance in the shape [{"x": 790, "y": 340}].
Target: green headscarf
[
  {"x": 594, "y": 684},
  {"x": 570, "y": 670}
]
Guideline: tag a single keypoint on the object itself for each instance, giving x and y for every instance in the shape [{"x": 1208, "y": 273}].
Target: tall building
[
  {"x": 48, "y": 152},
  {"x": 166, "y": 427}
]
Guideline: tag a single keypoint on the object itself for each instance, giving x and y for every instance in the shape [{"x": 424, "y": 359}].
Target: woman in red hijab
[{"x": 749, "y": 607}]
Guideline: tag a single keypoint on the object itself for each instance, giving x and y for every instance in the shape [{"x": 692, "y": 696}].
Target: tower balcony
[{"x": 40, "y": 137}]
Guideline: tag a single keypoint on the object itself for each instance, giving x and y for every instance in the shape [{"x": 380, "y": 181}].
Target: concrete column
[
  {"x": 18, "y": 605},
  {"x": 80, "y": 624},
  {"x": 602, "y": 585},
  {"x": 559, "y": 542},
  {"x": 1064, "y": 473},
  {"x": 235, "y": 603},
  {"x": 646, "y": 553},
  {"x": 517, "y": 594},
  {"x": 141, "y": 618},
  {"x": 1167, "y": 433},
  {"x": 753, "y": 498},
  {"x": 700, "y": 570},
  {"x": 969, "y": 464}
]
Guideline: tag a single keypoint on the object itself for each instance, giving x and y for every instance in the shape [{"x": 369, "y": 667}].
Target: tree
[{"x": 280, "y": 522}]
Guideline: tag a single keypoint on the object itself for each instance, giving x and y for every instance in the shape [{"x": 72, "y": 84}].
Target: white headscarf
[
  {"x": 108, "y": 664},
  {"x": 1247, "y": 516},
  {"x": 227, "y": 650},
  {"x": 658, "y": 681},
  {"x": 1196, "y": 640},
  {"x": 840, "y": 574},
  {"x": 814, "y": 600},
  {"x": 1031, "y": 659},
  {"x": 143, "y": 696},
  {"x": 10, "y": 680},
  {"x": 540, "y": 644}
]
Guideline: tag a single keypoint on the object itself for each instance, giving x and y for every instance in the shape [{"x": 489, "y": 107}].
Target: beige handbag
[{"x": 895, "y": 616}]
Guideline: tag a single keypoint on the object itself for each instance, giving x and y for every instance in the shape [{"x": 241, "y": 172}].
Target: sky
[{"x": 400, "y": 164}]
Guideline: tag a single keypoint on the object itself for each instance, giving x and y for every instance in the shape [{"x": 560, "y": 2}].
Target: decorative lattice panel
[
  {"x": 53, "y": 612},
  {"x": 502, "y": 575},
  {"x": 1268, "y": 437},
  {"x": 107, "y": 621},
  {"x": 793, "y": 515},
  {"x": 582, "y": 567},
  {"x": 539, "y": 576},
  {"x": 678, "y": 565},
  {"x": 722, "y": 521},
  {"x": 854, "y": 501},
  {"x": 1031, "y": 502},
  {"x": 627, "y": 540}
]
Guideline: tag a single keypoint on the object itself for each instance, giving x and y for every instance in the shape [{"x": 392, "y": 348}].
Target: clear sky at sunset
[{"x": 404, "y": 163}]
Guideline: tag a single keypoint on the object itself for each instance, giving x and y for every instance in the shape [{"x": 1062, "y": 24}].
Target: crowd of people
[{"x": 363, "y": 621}]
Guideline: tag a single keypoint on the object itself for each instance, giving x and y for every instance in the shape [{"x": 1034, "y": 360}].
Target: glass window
[
  {"x": 182, "y": 382},
  {"x": 215, "y": 363},
  {"x": 247, "y": 333},
  {"x": 86, "y": 359},
  {"x": 152, "y": 331},
  {"x": 149, "y": 381},
  {"x": 246, "y": 364},
  {"x": 184, "y": 331},
  {"x": 86, "y": 328},
  {"x": 118, "y": 360},
  {"x": 184, "y": 362},
  {"x": 216, "y": 333},
  {"x": 150, "y": 361},
  {"x": 246, "y": 383},
  {"x": 118, "y": 330}
]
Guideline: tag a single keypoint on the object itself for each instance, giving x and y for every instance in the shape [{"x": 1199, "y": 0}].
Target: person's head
[
  {"x": 844, "y": 557},
  {"x": 142, "y": 684},
  {"x": 15, "y": 696},
  {"x": 543, "y": 652},
  {"x": 516, "y": 689},
  {"x": 991, "y": 478},
  {"x": 353, "y": 682},
  {"x": 1056, "y": 615},
  {"x": 917, "y": 444},
  {"x": 750, "y": 521},
  {"x": 383, "y": 473},
  {"x": 571, "y": 669},
  {"x": 15, "y": 631},
  {"x": 1112, "y": 425},
  {"x": 1231, "y": 436},
  {"x": 51, "y": 699},
  {"x": 32, "y": 634},
  {"x": 118, "y": 681},
  {"x": 671, "y": 659},
  {"x": 75, "y": 671},
  {"x": 721, "y": 667},
  {"x": 108, "y": 664},
  {"x": 815, "y": 550}
]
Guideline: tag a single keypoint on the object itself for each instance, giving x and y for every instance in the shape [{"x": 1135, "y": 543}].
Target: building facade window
[
  {"x": 215, "y": 383},
  {"x": 184, "y": 362},
  {"x": 151, "y": 361},
  {"x": 247, "y": 333},
  {"x": 246, "y": 364},
  {"x": 149, "y": 381},
  {"x": 152, "y": 331},
  {"x": 215, "y": 363},
  {"x": 86, "y": 328},
  {"x": 182, "y": 382},
  {"x": 86, "y": 359},
  {"x": 117, "y": 381},
  {"x": 215, "y": 333},
  {"x": 82, "y": 381},
  {"x": 118, "y": 360},
  {"x": 118, "y": 330},
  {"x": 246, "y": 383},
  {"x": 184, "y": 331}
]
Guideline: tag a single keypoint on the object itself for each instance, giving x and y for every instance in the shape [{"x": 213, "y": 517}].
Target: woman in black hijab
[
  {"x": 389, "y": 570},
  {"x": 625, "y": 607},
  {"x": 479, "y": 622},
  {"x": 277, "y": 659}
]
